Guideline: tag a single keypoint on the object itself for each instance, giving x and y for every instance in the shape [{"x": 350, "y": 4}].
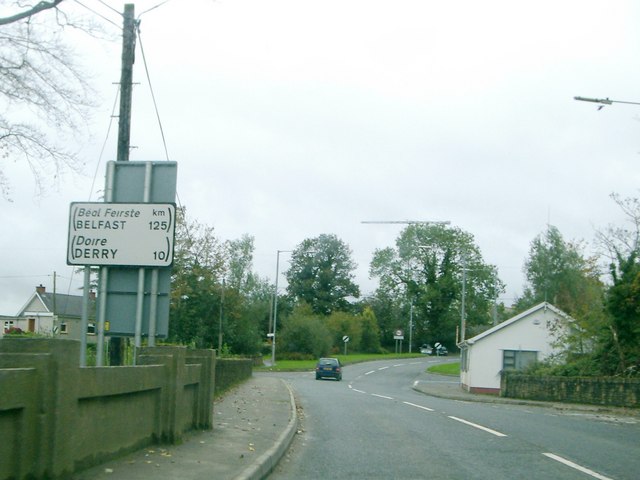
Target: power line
[{"x": 153, "y": 97}]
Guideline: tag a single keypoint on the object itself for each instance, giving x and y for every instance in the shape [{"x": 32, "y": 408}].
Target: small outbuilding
[{"x": 529, "y": 337}]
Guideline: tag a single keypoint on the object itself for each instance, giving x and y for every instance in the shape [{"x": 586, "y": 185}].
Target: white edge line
[
  {"x": 382, "y": 396},
  {"x": 475, "y": 425},
  {"x": 419, "y": 406},
  {"x": 576, "y": 466}
]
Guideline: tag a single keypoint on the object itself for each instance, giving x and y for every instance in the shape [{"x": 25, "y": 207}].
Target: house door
[{"x": 32, "y": 325}]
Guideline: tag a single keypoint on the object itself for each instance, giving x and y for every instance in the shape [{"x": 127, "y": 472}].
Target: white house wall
[{"x": 485, "y": 356}]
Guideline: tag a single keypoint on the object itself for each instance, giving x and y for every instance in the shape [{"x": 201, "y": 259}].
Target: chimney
[{"x": 40, "y": 289}]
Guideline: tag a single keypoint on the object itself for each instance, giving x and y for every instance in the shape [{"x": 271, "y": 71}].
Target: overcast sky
[{"x": 289, "y": 119}]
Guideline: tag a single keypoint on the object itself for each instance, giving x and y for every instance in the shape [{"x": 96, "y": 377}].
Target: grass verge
[
  {"x": 307, "y": 365},
  {"x": 445, "y": 369}
]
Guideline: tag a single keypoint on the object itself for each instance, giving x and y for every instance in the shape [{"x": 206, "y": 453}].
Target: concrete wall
[
  {"x": 231, "y": 371},
  {"x": 620, "y": 392},
  {"x": 57, "y": 418}
]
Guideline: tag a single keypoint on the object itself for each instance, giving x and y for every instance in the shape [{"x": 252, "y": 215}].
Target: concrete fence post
[
  {"x": 207, "y": 361},
  {"x": 56, "y": 366}
]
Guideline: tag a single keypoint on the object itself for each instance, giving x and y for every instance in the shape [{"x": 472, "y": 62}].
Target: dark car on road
[{"x": 329, "y": 368}]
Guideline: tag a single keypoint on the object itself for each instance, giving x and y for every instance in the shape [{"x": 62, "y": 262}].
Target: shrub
[{"x": 304, "y": 333}]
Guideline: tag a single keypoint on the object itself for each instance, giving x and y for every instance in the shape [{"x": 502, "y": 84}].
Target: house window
[
  {"x": 518, "y": 359},
  {"x": 63, "y": 328},
  {"x": 8, "y": 325},
  {"x": 91, "y": 329}
]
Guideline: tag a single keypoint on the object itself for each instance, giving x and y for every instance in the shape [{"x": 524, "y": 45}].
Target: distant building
[
  {"x": 53, "y": 314},
  {"x": 513, "y": 344}
]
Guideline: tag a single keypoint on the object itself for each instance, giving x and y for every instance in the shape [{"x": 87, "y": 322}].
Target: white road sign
[{"x": 123, "y": 234}]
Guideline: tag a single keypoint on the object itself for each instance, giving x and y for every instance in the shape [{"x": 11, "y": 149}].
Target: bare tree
[
  {"x": 615, "y": 241},
  {"x": 44, "y": 94}
]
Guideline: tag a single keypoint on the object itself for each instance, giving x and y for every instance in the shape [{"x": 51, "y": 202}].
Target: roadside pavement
[{"x": 254, "y": 424}]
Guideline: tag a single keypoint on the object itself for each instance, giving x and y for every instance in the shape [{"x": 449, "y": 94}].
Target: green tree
[
  {"x": 341, "y": 324},
  {"x": 558, "y": 272},
  {"x": 389, "y": 312},
  {"x": 427, "y": 269},
  {"x": 620, "y": 351},
  {"x": 214, "y": 291},
  {"x": 196, "y": 286},
  {"x": 321, "y": 274},
  {"x": 370, "y": 339}
]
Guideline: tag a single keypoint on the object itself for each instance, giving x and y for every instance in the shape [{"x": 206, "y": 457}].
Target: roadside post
[
  {"x": 398, "y": 336},
  {"x": 345, "y": 339}
]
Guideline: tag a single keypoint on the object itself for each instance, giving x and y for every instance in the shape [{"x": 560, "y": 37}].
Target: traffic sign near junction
[{"x": 121, "y": 234}]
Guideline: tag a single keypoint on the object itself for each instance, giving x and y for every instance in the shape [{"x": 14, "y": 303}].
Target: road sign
[
  {"x": 398, "y": 335},
  {"x": 345, "y": 339},
  {"x": 121, "y": 234}
]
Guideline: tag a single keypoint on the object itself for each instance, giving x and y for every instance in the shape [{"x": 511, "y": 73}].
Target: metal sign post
[
  {"x": 398, "y": 336},
  {"x": 345, "y": 339}
]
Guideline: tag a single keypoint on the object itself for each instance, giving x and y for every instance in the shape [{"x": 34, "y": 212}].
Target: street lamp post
[
  {"x": 602, "y": 101},
  {"x": 463, "y": 320},
  {"x": 275, "y": 308}
]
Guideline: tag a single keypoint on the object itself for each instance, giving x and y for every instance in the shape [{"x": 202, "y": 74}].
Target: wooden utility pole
[
  {"x": 116, "y": 350},
  {"x": 126, "y": 82}
]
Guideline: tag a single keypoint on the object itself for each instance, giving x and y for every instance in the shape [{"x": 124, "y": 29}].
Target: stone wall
[{"x": 618, "y": 392}]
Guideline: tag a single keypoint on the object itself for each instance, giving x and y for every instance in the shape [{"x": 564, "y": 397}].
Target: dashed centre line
[
  {"x": 381, "y": 396},
  {"x": 580, "y": 468},
  {"x": 480, "y": 427},
  {"x": 419, "y": 406}
]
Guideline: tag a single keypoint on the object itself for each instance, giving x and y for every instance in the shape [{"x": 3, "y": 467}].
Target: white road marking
[
  {"x": 359, "y": 391},
  {"x": 370, "y": 372},
  {"x": 419, "y": 406},
  {"x": 475, "y": 425},
  {"x": 400, "y": 365},
  {"x": 382, "y": 396},
  {"x": 576, "y": 466},
  {"x": 382, "y": 368}
]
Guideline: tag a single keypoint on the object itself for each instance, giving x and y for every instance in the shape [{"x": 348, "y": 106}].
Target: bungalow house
[
  {"x": 53, "y": 314},
  {"x": 511, "y": 345}
]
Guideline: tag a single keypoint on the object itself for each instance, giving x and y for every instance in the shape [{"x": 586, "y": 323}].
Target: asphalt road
[{"x": 374, "y": 425}]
